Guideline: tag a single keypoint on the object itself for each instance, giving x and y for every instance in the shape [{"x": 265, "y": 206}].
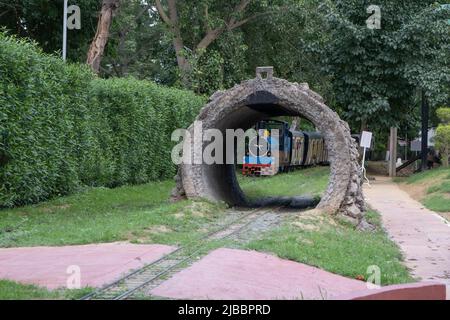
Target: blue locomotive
[{"x": 295, "y": 149}]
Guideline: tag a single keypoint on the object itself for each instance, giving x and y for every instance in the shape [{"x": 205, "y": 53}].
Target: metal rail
[{"x": 143, "y": 277}]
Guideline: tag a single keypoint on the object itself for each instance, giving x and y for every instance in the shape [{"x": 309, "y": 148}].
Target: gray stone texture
[{"x": 229, "y": 109}]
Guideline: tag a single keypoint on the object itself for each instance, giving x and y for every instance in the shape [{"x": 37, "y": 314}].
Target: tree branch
[
  {"x": 207, "y": 26},
  {"x": 212, "y": 35},
  {"x": 239, "y": 9},
  {"x": 240, "y": 23},
  {"x": 209, "y": 38},
  {"x": 162, "y": 13},
  {"x": 172, "y": 21}
]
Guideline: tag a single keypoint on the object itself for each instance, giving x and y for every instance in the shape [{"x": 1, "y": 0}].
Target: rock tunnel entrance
[{"x": 260, "y": 98}]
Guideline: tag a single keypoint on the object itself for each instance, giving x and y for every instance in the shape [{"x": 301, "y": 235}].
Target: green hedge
[{"x": 62, "y": 128}]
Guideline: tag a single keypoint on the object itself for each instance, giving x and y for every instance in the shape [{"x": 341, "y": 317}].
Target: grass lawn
[
  {"x": 143, "y": 214},
  {"x": 431, "y": 187},
  {"x": 321, "y": 241},
  {"x": 311, "y": 181},
  {"x": 136, "y": 213},
  {"x": 10, "y": 290}
]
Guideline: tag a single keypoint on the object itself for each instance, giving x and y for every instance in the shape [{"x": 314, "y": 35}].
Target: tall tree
[
  {"x": 195, "y": 28},
  {"x": 376, "y": 73},
  {"x": 97, "y": 48},
  {"x": 292, "y": 43}
]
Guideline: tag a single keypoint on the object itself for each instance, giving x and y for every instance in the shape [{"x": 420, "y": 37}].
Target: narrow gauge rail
[{"x": 153, "y": 274}]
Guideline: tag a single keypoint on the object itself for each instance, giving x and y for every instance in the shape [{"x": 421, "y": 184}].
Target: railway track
[{"x": 140, "y": 281}]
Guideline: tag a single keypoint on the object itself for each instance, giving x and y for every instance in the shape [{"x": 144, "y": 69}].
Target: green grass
[
  {"x": 429, "y": 174},
  {"x": 143, "y": 214},
  {"x": 337, "y": 248},
  {"x": 437, "y": 197},
  {"x": 312, "y": 181},
  {"x": 437, "y": 202},
  {"x": 10, "y": 290},
  {"x": 137, "y": 213}
]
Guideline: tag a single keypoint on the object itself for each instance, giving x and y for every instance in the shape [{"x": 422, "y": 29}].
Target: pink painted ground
[
  {"x": 99, "y": 263},
  {"x": 236, "y": 274}
]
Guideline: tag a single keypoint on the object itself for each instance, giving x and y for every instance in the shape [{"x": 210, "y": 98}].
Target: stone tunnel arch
[{"x": 254, "y": 100}]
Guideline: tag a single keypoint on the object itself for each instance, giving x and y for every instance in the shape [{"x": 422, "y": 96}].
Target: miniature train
[{"x": 295, "y": 149}]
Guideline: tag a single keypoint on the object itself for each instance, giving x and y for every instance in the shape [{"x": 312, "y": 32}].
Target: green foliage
[
  {"x": 42, "y": 118},
  {"x": 60, "y": 128},
  {"x": 10, "y": 290},
  {"x": 290, "y": 39},
  {"x": 444, "y": 115},
  {"x": 207, "y": 74},
  {"x": 140, "y": 117},
  {"x": 136, "y": 45},
  {"x": 442, "y": 138},
  {"x": 376, "y": 73},
  {"x": 442, "y": 141},
  {"x": 42, "y": 21}
]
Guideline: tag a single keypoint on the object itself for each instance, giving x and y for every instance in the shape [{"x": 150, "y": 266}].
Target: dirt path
[{"x": 422, "y": 235}]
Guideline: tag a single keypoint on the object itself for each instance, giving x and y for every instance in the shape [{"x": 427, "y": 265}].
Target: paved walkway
[
  {"x": 422, "y": 235},
  {"x": 238, "y": 274},
  {"x": 97, "y": 264}
]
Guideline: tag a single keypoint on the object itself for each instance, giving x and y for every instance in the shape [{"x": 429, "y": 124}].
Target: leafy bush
[
  {"x": 442, "y": 138},
  {"x": 139, "y": 117},
  {"x": 61, "y": 128},
  {"x": 444, "y": 115}
]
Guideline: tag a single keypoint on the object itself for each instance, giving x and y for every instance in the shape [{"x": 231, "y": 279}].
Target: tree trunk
[
  {"x": 123, "y": 58},
  {"x": 172, "y": 20},
  {"x": 295, "y": 123},
  {"x": 178, "y": 44},
  {"x": 95, "y": 53},
  {"x": 363, "y": 125},
  {"x": 445, "y": 156},
  {"x": 182, "y": 61}
]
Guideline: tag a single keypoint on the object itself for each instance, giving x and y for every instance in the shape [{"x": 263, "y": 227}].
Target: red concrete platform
[
  {"x": 237, "y": 274},
  {"x": 410, "y": 291},
  {"x": 98, "y": 263}
]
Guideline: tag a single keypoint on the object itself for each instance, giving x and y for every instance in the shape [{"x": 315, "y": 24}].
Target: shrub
[
  {"x": 139, "y": 117},
  {"x": 442, "y": 138},
  {"x": 61, "y": 128}
]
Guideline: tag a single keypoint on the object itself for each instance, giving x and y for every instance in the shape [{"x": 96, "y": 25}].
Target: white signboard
[
  {"x": 416, "y": 145},
  {"x": 366, "y": 139},
  {"x": 402, "y": 143}
]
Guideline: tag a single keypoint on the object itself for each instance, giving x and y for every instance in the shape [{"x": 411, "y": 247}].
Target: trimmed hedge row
[{"x": 61, "y": 128}]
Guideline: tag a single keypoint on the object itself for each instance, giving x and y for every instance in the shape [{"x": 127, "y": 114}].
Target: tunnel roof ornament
[{"x": 264, "y": 70}]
